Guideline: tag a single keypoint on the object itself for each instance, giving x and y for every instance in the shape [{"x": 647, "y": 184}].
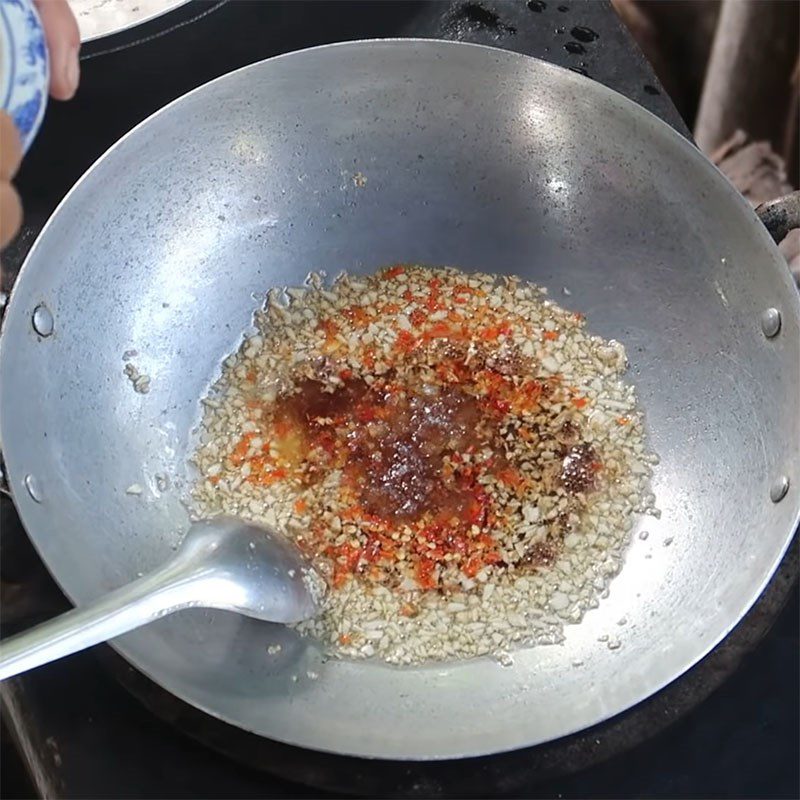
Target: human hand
[
  {"x": 63, "y": 43},
  {"x": 10, "y": 157}
]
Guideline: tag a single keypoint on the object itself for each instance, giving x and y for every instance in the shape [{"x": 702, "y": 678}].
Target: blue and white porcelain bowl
[{"x": 24, "y": 70}]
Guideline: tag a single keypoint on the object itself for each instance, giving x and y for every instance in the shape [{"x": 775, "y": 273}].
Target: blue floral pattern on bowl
[{"x": 24, "y": 70}]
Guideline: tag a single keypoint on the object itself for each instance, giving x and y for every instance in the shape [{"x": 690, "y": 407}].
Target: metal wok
[{"x": 473, "y": 157}]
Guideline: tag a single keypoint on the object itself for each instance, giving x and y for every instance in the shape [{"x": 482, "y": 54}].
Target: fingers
[
  {"x": 10, "y": 157},
  {"x": 63, "y": 45},
  {"x": 10, "y": 148},
  {"x": 10, "y": 212}
]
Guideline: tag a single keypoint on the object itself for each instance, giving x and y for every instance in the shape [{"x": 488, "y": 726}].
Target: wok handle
[
  {"x": 157, "y": 594},
  {"x": 781, "y": 215}
]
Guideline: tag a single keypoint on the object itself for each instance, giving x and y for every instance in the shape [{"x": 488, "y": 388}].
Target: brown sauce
[
  {"x": 579, "y": 468},
  {"x": 397, "y": 440},
  {"x": 402, "y": 467}
]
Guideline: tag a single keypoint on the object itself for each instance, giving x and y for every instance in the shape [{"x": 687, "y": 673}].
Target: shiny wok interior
[{"x": 473, "y": 157}]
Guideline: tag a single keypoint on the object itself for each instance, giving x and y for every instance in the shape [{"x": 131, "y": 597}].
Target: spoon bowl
[
  {"x": 223, "y": 563},
  {"x": 250, "y": 569}
]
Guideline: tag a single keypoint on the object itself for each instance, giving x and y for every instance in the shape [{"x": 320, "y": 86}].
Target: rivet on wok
[
  {"x": 778, "y": 489},
  {"x": 43, "y": 320},
  {"x": 771, "y": 322},
  {"x": 34, "y": 490}
]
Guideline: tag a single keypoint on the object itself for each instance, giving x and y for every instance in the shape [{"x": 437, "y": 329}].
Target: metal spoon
[{"x": 221, "y": 563}]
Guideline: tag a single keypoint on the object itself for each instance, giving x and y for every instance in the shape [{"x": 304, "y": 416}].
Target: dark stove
[{"x": 91, "y": 726}]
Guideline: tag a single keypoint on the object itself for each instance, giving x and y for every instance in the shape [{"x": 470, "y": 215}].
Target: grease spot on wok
[
  {"x": 576, "y": 48},
  {"x": 583, "y": 34}
]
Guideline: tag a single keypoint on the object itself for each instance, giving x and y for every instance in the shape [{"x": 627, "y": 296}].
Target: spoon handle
[{"x": 155, "y": 595}]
